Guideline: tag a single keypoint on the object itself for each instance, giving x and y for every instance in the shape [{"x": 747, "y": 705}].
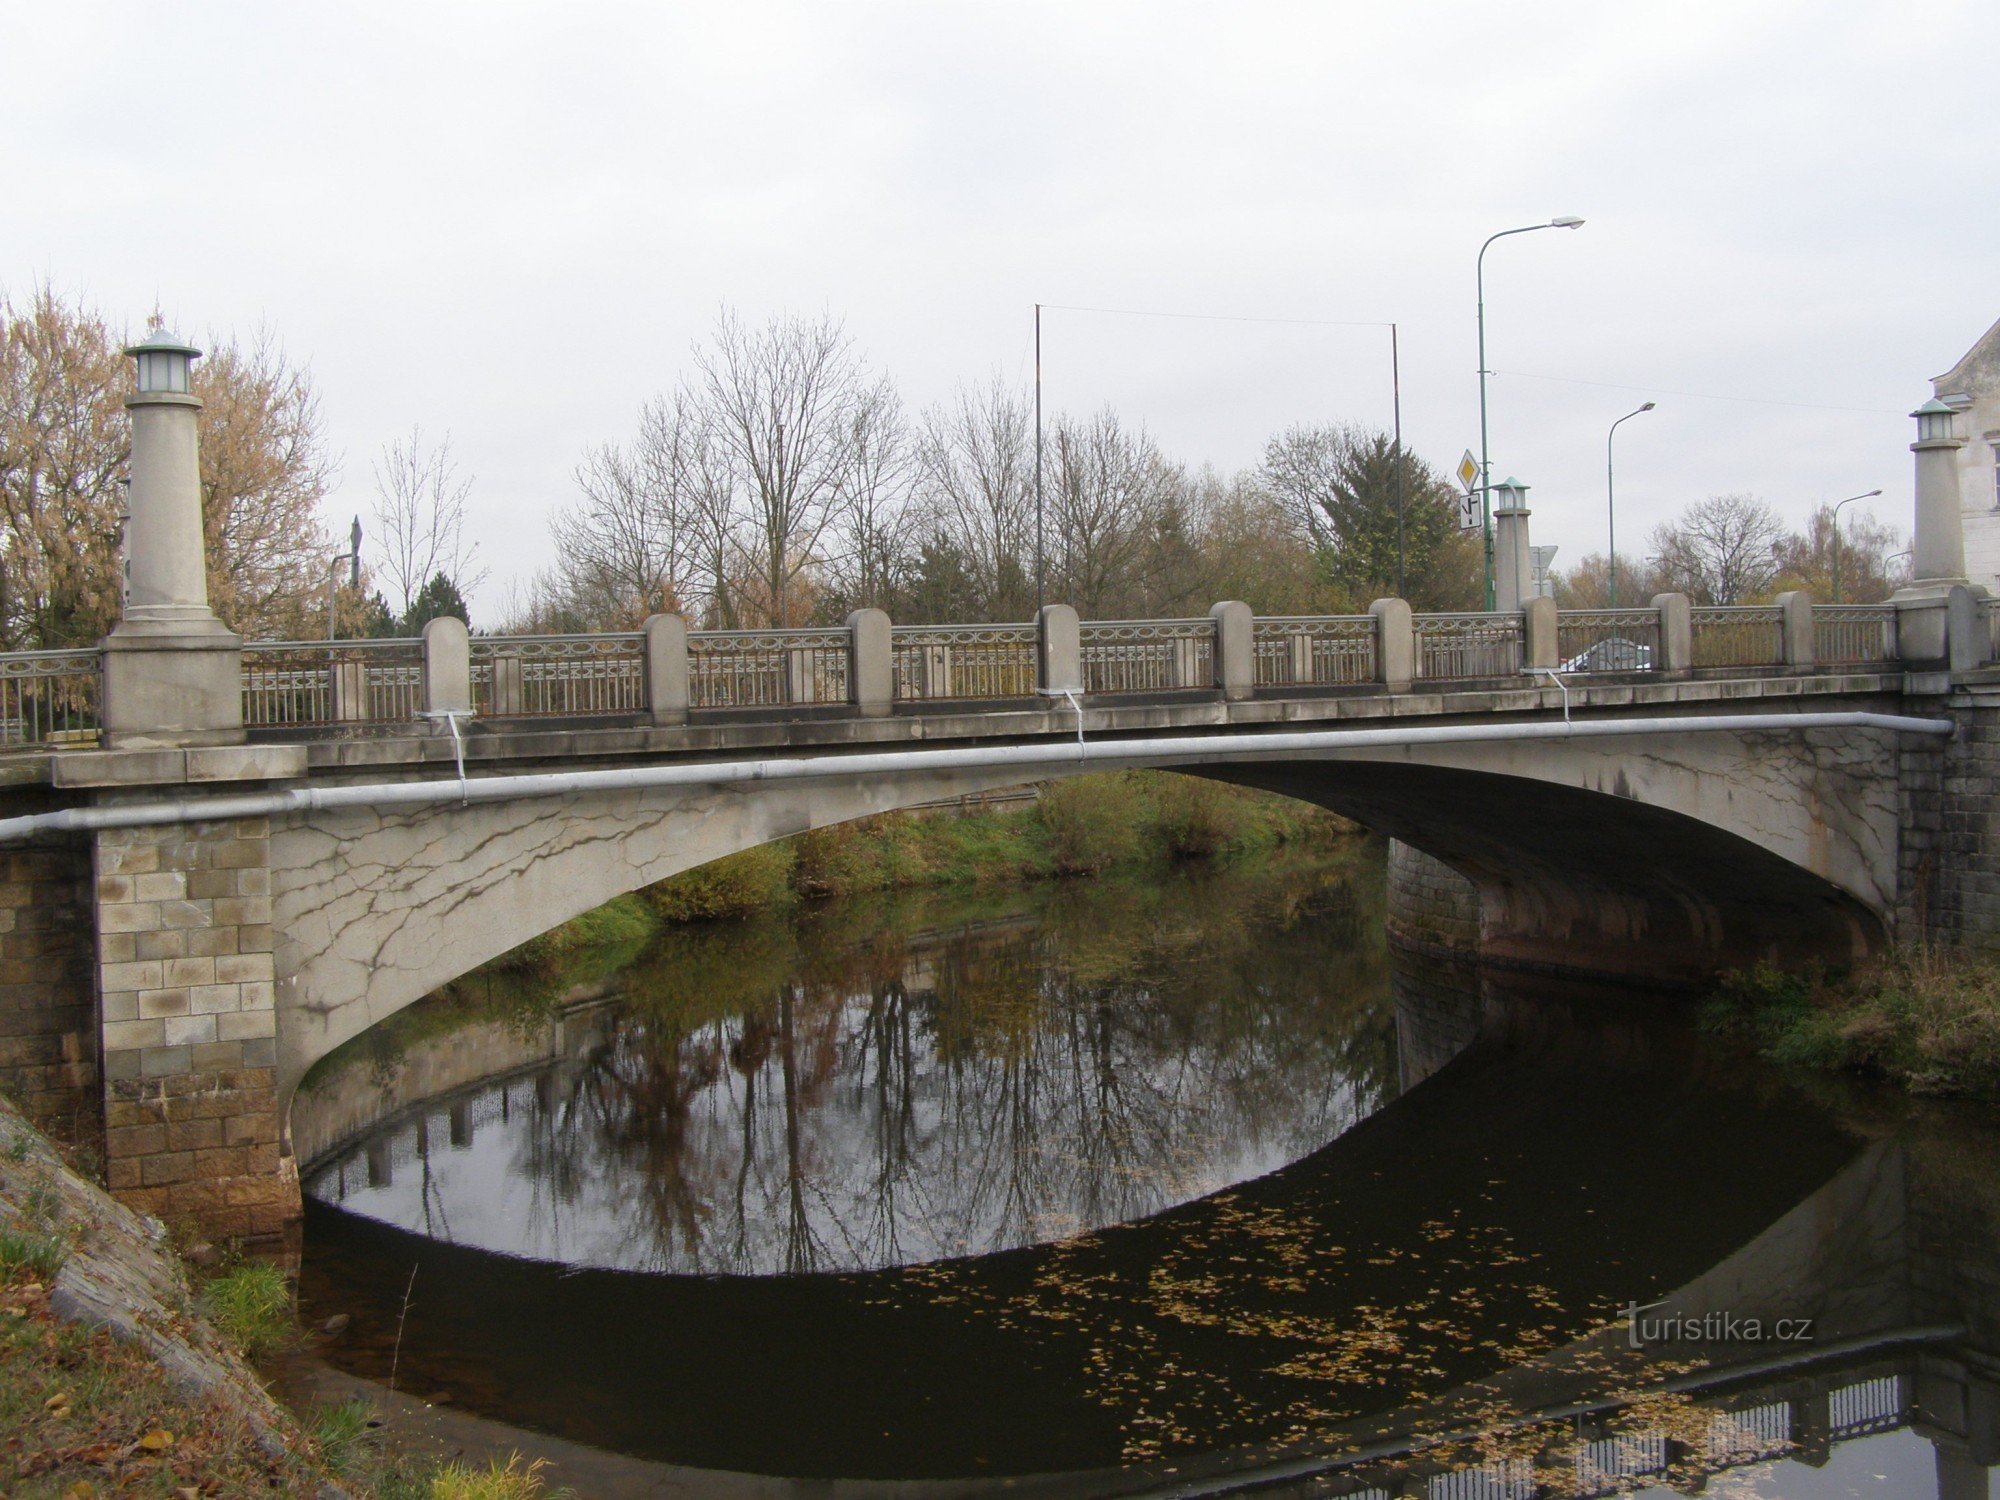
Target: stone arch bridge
[{"x": 1648, "y": 794}]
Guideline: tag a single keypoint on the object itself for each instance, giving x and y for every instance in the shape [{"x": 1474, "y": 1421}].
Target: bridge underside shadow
[
  {"x": 1658, "y": 864},
  {"x": 1574, "y": 881}
]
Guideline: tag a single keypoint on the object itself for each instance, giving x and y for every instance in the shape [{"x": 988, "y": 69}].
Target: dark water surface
[{"x": 1175, "y": 1183}]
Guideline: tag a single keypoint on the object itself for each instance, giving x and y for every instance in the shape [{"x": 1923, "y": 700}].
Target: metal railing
[
  {"x": 1467, "y": 645},
  {"x": 332, "y": 682},
  {"x": 1147, "y": 656},
  {"x": 1854, "y": 632},
  {"x": 767, "y": 668},
  {"x": 1301, "y": 650},
  {"x": 1608, "y": 640},
  {"x": 546, "y": 675},
  {"x": 49, "y": 698},
  {"x": 1738, "y": 635},
  {"x": 1989, "y": 610},
  {"x": 938, "y": 663},
  {"x": 1872, "y": 1405}
]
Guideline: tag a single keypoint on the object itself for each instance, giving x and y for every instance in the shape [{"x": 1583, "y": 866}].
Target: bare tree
[
  {"x": 420, "y": 518},
  {"x": 795, "y": 410},
  {"x": 1588, "y": 584},
  {"x": 1722, "y": 550},
  {"x": 1111, "y": 487},
  {"x": 876, "y": 545},
  {"x": 976, "y": 455}
]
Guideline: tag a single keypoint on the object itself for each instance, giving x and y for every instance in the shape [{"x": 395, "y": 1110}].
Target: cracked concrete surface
[{"x": 1665, "y": 857}]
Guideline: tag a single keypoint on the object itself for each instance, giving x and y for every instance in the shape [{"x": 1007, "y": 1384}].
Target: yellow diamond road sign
[{"x": 1468, "y": 470}]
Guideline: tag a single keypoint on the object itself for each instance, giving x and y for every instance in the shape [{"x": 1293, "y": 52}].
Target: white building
[{"x": 1972, "y": 389}]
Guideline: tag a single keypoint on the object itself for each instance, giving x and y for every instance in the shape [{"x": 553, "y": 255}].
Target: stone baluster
[
  {"x": 1235, "y": 653},
  {"x": 1395, "y": 644},
  {"x": 447, "y": 667},
  {"x": 1796, "y": 629},
  {"x": 1539, "y": 646},
  {"x": 666, "y": 645},
  {"x": 1060, "y": 658},
  {"x": 1676, "y": 653},
  {"x": 871, "y": 667}
]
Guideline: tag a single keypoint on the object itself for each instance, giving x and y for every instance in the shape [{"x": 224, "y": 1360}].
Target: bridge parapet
[{"x": 664, "y": 672}]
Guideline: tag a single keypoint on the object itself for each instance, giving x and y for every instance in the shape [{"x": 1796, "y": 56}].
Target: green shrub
[
  {"x": 251, "y": 1307},
  {"x": 1197, "y": 818},
  {"x": 623, "y": 923},
  {"x": 1094, "y": 822},
  {"x": 731, "y": 887},
  {"x": 1930, "y": 1021},
  {"x": 832, "y": 860}
]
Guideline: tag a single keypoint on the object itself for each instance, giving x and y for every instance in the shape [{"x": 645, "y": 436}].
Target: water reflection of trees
[{"x": 895, "y": 1081}]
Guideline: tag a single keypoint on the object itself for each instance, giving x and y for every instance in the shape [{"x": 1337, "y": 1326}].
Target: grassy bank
[
  {"x": 1928, "y": 1021},
  {"x": 89, "y": 1411},
  {"x": 1081, "y": 826}
]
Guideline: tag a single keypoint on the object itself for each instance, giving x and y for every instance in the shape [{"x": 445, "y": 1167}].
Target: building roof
[{"x": 1977, "y": 373}]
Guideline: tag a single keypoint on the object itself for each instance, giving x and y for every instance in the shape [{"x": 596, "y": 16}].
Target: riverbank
[
  {"x": 124, "y": 1369},
  {"x": 1928, "y": 1021},
  {"x": 1085, "y": 825}
]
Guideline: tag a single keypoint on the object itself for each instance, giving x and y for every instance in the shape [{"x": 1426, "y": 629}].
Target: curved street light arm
[{"x": 1485, "y": 458}]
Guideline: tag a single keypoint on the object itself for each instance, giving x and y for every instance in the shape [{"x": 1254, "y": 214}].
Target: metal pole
[
  {"x": 1870, "y": 495},
  {"x": 1041, "y": 585},
  {"x": 1485, "y": 458},
  {"x": 1396, "y": 389},
  {"x": 1611, "y": 506}
]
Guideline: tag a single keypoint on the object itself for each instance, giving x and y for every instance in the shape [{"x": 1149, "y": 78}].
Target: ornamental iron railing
[
  {"x": 1608, "y": 640},
  {"x": 540, "y": 676},
  {"x": 1467, "y": 645},
  {"x": 49, "y": 698},
  {"x": 767, "y": 668},
  {"x": 1739, "y": 635},
  {"x": 1313, "y": 650},
  {"x": 943, "y": 663},
  {"x": 290, "y": 683},
  {"x": 1854, "y": 632},
  {"x": 1147, "y": 656}
]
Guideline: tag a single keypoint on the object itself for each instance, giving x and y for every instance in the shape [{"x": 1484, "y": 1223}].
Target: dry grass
[
  {"x": 1929, "y": 1019},
  {"x": 84, "y": 1414}
]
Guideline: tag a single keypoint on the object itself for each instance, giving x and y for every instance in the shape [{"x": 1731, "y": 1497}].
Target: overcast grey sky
[{"x": 508, "y": 221}]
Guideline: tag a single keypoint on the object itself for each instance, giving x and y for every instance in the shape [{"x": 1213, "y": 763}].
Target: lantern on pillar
[
  {"x": 1934, "y": 424},
  {"x": 165, "y": 363},
  {"x": 1510, "y": 494}
]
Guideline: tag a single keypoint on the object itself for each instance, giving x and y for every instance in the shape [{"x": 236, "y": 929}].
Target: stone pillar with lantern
[
  {"x": 1937, "y": 616},
  {"x": 185, "y": 968},
  {"x": 1513, "y": 560},
  {"x": 172, "y": 671}
]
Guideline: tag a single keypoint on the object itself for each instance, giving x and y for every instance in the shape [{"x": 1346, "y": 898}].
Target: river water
[{"x": 1175, "y": 1184}]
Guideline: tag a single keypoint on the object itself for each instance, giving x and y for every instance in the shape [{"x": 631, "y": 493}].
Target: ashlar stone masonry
[{"x": 190, "y": 1024}]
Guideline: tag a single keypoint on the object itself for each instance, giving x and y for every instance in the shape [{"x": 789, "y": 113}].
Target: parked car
[{"x": 1612, "y": 654}]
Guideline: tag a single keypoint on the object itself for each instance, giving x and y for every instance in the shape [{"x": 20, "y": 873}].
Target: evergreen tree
[{"x": 438, "y": 598}]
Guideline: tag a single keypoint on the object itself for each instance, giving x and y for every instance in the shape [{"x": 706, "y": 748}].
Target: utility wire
[
  {"x": 1141, "y": 312},
  {"x": 1658, "y": 390}
]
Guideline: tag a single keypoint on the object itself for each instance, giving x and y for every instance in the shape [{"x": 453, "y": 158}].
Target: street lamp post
[
  {"x": 1611, "y": 506},
  {"x": 1869, "y": 495},
  {"x": 1567, "y": 221}
]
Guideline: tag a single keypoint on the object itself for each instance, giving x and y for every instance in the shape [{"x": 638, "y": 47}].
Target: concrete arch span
[{"x": 1661, "y": 859}]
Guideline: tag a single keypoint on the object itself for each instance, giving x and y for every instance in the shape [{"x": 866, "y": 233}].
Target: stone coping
[{"x": 515, "y": 742}]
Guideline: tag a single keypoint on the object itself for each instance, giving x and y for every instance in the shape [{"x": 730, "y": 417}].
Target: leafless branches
[{"x": 420, "y": 514}]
